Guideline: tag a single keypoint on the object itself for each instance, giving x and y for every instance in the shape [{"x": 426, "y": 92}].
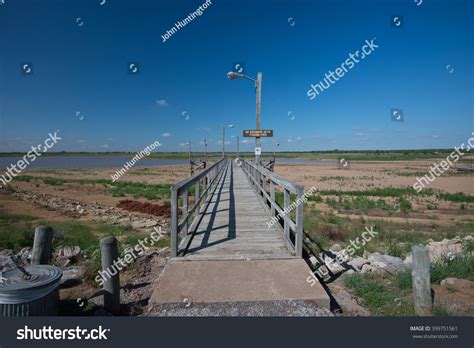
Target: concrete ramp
[{"x": 237, "y": 281}]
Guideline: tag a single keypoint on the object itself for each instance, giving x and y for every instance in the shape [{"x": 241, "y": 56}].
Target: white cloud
[
  {"x": 162, "y": 102},
  {"x": 166, "y": 134},
  {"x": 104, "y": 146}
]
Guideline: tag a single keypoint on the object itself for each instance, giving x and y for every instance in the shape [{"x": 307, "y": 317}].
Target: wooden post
[
  {"x": 299, "y": 224},
  {"x": 109, "y": 254},
  {"x": 42, "y": 245},
  {"x": 286, "y": 226},
  {"x": 174, "y": 223},
  {"x": 421, "y": 280}
]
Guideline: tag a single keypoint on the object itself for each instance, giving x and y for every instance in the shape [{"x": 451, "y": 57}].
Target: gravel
[{"x": 289, "y": 308}]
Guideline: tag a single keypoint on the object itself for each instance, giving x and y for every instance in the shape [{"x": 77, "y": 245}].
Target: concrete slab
[{"x": 237, "y": 281}]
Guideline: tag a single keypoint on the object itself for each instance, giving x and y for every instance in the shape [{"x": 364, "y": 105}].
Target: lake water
[{"x": 86, "y": 162}]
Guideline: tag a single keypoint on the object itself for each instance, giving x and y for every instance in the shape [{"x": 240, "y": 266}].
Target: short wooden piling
[
  {"x": 421, "y": 281},
  {"x": 42, "y": 245},
  {"x": 109, "y": 254}
]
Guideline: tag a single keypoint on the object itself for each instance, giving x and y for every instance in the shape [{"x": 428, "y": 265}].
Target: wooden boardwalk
[
  {"x": 222, "y": 248},
  {"x": 234, "y": 224}
]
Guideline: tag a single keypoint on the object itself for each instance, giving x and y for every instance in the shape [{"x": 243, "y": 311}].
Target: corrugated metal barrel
[{"x": 37, "y": 296}]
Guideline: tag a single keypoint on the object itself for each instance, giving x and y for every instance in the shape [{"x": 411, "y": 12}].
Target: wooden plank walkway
[{"x": 234, "y": 225}]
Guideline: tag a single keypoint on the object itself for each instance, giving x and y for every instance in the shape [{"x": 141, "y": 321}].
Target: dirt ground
[{"x": 365, "y": 175}]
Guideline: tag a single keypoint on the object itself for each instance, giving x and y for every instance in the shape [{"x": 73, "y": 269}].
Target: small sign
[
  {"x": 258, "y": 133},
  {"x": 258, "y": 150}
]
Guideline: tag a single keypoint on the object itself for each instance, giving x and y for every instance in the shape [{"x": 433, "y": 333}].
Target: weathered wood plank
[{"x": 234, "y": 225}]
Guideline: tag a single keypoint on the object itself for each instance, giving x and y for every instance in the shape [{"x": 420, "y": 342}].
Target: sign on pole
[
  {"x": 258, "y": 133},
  {"x": 258, "y": 150}
]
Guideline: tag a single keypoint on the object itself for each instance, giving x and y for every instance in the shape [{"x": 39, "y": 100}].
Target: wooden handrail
[
  {"x": 258, "y": 177},
  {"x": 207, "y": 177}
]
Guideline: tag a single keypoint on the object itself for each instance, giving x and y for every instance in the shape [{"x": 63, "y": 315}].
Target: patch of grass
[
  {"x": 117, "y": 188},
  {"x": 74, "y": 233},
  {"x": 461, "y": 266},
  {"x": 53, "y": 181},
  {"x": 403, "y": 280},
  {"x": 378, "y": 192},
  {"x": 456, "y": 197},
  {"x": 381, "y": 294},
  {"x": 369, "y": 289},
  {"x": 395, "y": 248},
  {"x": 16, "y": 231},
  {"x": 405, "y": 205},
  {"x": 315, "y": 198}
]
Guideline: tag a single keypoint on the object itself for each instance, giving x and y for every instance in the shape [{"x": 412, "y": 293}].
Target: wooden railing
[
  {"x": 259, "y": 178},
  {"x": 202, "y": 183}
]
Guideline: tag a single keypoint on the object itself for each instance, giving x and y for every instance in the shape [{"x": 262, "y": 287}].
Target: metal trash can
[{"x": 36, "y": 294}]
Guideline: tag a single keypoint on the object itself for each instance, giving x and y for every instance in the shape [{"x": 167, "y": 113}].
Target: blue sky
[{"x": 79, "y": 52}]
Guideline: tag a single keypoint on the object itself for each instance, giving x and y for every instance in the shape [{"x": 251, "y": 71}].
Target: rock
[
  {"x": 457, "y": 284},
  {"x": 144, "y": 223},
  {"x": 64, "y": 256},
  {"x": 358, "y": 262},
  {"x": 72, "y": 274},
  {"x": 69, "y": 252},
  {"x": 7, "y": 252},
  {"x": 386, "y": 263},
  {"x": 444, "y": 249},
  {"x": 367, "y": 269},
  {"x": 335, "y": 247},
  {"x": 408, "y": 261},
  {"x": 314, "y": 261},
  {"x": 25, "y": 255},
  {"x": 333, "y": 264}
]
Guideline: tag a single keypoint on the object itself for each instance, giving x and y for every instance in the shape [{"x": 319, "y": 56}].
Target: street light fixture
[{"x": 258, "y": 91}]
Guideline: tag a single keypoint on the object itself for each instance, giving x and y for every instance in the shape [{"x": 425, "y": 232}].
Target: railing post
[
  {"x": 109, "y": 256},
  {"x": 272, "y": 195},
  {"x": 42, "y": 245},
  {"x": 174, "y": 223},
  {"x": 186, "y": 210},
  {"x": 197, "y": 188},
  {"x": 421, "y": 280},
  {"x": 299, "y": 222},
  {"x": 286, "y": 204}
]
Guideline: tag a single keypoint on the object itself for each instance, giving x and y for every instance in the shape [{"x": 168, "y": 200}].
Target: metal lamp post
[{"x": 258, "y": 93}]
